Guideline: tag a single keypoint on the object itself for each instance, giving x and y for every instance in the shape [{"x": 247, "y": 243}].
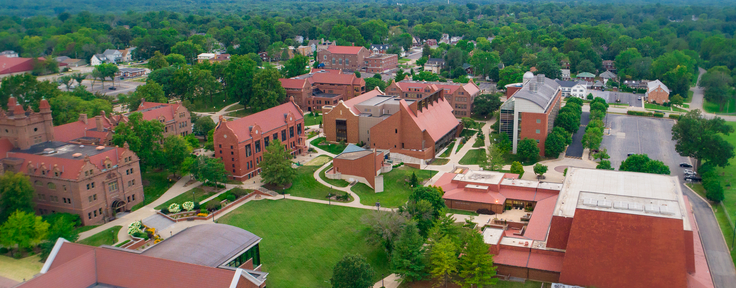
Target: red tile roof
[
  {"x": 546, "y": 260},
  {"x": 16, "y": 64},
  {"x": 71, "y": 168},
  {"x": 470, "y": 87},
  {"x": 292, "y": 83},
  {"x": 345, "y": 49},
  {"x": 541, "y": 219},
  {"x": 78, "y": 129},
  {"x": 437, "y": 119},
  {"x": 511, "y": 257},
  {"x": 332, "y": 78},
  {"x": 153, "y": 110},
  {"x": 461, "y": 194},
  {"x": 268, "y": 120}
]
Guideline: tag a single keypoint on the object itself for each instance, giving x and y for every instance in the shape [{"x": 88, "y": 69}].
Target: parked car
[
  {"x": 685, "y": 165},
  {"x": 113, "y": 88},
  {"x": 630, "y": 153},
  {"x": 693, "y": 178}
]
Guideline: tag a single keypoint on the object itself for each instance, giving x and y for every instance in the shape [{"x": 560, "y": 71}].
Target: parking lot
[
  {"x": 622, "y": 97},
  {"x": 642, "y": 135}
]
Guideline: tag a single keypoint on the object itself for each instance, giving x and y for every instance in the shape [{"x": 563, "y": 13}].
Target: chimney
[
  {"x": 540, "y": 78},
  {"x": 98, "y": 121},
  {"x": 83, "y": 118}
]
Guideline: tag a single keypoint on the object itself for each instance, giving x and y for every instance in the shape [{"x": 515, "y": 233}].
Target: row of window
[
  {"x": 89, "y": 215},
  {"x": 128, "y": 171}
]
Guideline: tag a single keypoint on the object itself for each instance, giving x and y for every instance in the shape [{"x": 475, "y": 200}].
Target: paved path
[
  {"x": 216, "y": 115},
  {"x": 391, "y": 281},
  {"x": 576, "y": 148},
  {"x": 697, "y": 101}
]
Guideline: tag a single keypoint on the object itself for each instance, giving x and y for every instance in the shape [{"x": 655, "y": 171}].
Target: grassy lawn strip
[
  {"x": 440, "y": 161},
  {"x": 312, "y": 119},
  {"x": 727, "y": 179},
  {"x": 319, "y": 160},
  {"x": 199, "y": 195},
  {"x": 462, "y": 212},
  {"x": 19, "y": 269},
  {"x": 689, "y": 97},
  {"x": 334, "y": 182},
  {"x": 241, "y": 113},
  {"x": 460, "y": 145},
  {"x": 81, "y": 229},
  {"x": 729, "y": 107},
  {"x": 107, "y": 237},
  {"x": 317, "y": 234},
  {"x": 155, "y": 184},
  {"x": 473, "y": 157},
  {"x": 656, "y": 107},
  {"x": 331, "y": 148},
  {"x": 726, "y": 229},
  {"x": 448, "y": 150},
  {"x": 468, "y": 132},
  {"x": 479, "y": 142},
  {"x": 304, "y": 185},
  {"x": 396, "y": 187}
]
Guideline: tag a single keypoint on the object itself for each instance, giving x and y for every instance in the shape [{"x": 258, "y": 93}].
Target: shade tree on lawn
[
  {"x": 16, "y": 194},
  {"x": 23, "y": 229},
  {"x": 352, "y": 271},
  {"x": 276, "y": 165},
  {"x": 408, "y": 257},
  {"x": 701, "y": 138}
]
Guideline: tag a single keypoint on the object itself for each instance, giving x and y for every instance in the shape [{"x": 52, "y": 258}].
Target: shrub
[
  {"x": 516, "y": 168},
  {"x": 165, "y": 211},
  {"x": 239, "y": 192},
  {"x": 674, "y": 116},
  {"x": 174, "y": 208},
  {"x": 212, "y": 206},
  {"x": 713, "y": 190},
  {"x": 659, "y": 115},
  {"x": 202, "y": 214},
  {"x": 196, "y": 205},
  {"x": 485, "y": 211},
  {"x": 230, "y": 197},
  {"x": 17, "y": 255},
  {"x": 189, "y": 205},
  {"x": 3, "y": 250}
]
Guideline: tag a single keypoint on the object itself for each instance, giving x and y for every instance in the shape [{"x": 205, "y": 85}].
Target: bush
[
  {"x": 239, "y": 192},
  {"x": 658, "y": 115},
  {"x": 230, "y": 197},
  {"x": 212, "y": 206},
  {"x": 516, "y": 168},
  {"x": 713, "y": 190},
  {"x": 674, "y": 116},
  {"x": 196, "y": 205},
  {"x": 398, "y": 165},
  {"x": 639, "y": 113},
  {"x": 165, "y": 211},
  {"x": 485, "y": 211},
  {"x": 3, "y": 250}
]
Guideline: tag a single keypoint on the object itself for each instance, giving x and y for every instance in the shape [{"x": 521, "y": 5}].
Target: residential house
[
  {"x": 431, "y": 42},
  {"x": 565, "y": 64},
  {"x": 572, "y": 88},
  {"x": 586, "y": 231},
  {"x": 362, "y": 165},
  {"x": 378, "y": 63},
  {"x": 322, "y": 87},
  {"x": 304, "y": 50},
  {"x": 240, "y": 143},
  {"x": 98, "y": 59},
  {"x": 609, "y": 65},
  {"x": 299, "y": 39},
  {"x": 414, "y": 130},
  {"x": 468, "y": 69},
  {"x": 93, "y": 182},
  {"x": 227, "y": 255},
  {"x": 586, "y": 76},
  {"x": 379, "y": 48},
  {"x": 113, "y": 55},
  {"x": 455, "y": 39},
  {"x": 9, "y": 54},
  {"x": 445, "y": 39},
  {"x": 565, "y": 74},
  {"x": 531, "y": 109},
  {"x": 70, "y": 62},
  {"x": 127, "y": 54},
  {"x": 608, "y": 75},
  {"x": 434, "y": 65},
  {"x": 416, "y": 42},
  {"x": 348, "y": 58},
  {"x": 264, "y": 56},
  {"x": 460, "y": 96},
  {"x": 657, "y": 92}
]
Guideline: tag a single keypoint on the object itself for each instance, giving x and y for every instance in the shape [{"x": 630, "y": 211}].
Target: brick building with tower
[
  {"x": 322, "y": 87},
  {"x": 240, "y": 143},
  {"x": 531, "y": 109},
  {"x": 92, "y": 181}
]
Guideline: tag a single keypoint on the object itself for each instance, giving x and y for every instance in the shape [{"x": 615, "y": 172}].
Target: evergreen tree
[
  {"x": 408, "y": 257},
  {"x": 443, "y": 260},
  {"x": 476, "y": 265}
]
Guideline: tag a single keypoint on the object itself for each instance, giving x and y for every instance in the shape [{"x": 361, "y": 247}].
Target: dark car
[
  {"x": 693, "y": 178},
  {"x": 113, "y": 88},
  {"x": 685, "y": 165}
]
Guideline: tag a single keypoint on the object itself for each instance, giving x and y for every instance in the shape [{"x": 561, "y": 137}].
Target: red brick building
[
  {"x": 241, "y": 143},
  {"x": 599, "y": 228},
  {"x": 94, "y": 182},
  {"x": 348, "y": 58},
  {"x": 459, "y": 95},
  {"x": 413, "y": 127},
  {"x": 530, "y": 110},
  {"x": 378, "y": 63},
  {"x": 360, "y": 164},
  {"x": 657, "y": 92},
  {"x": 322, "y": 87},
  {"x": 72, "y": 265}
]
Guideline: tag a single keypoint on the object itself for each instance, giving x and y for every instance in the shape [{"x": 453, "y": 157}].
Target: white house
[
  {"x": 565, "y": 73},
  {"x": 579, "y": 90},
  {"x": 205, "y": 57},
  {"x": 97, "y": 59},
  {"x": 113, "y": 56}
]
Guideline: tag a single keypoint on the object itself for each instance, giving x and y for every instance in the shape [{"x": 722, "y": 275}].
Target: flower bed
[{"x": 220, "y": 205}]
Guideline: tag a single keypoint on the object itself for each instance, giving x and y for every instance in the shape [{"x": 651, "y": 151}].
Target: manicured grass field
[
  {"x": 107, "y": 237},
  {"x": 473, "y": 157},
  {"x": 729, "y": 107},
  {"x": 241, "y": 113},
  {"x": 396, "y": 187},
  {"x": 460, "y": 145},
  {"x": 479, "y": 142},
  {"x": 199, "y": 195},
  {"x": 319, "y": 160},
  {"x": 462, "y": 212},
  {"x": 448, "y": 150},
  {"x": 440, "y": 161},
  {"x": 331, "y": 148},
  {"x": 81, "y": 229},
  {"x": 468, "y": 132},
  {"x": 304, "y": 185},
  {"x": 155, "y": 184},
  {"x": 335, "y": 182},
  {"x": 301, "y": 249},
  {"x": 19, "y": 269},
  {"x": 311, "y": 119}
]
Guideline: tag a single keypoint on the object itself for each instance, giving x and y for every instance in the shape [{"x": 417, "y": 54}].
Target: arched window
[
  {"x": 51, "y": 186},
  {"x": 38, "y": 183}
]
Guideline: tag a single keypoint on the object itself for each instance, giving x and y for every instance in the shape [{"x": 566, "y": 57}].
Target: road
[{"x": 575, "y": 150}]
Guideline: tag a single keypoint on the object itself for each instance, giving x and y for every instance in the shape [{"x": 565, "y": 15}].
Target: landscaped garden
[
  {"x": 396, "y": 187},
  {"x": 331, "y": 148},
  {"x": 106, "y": 237},
  {"x": 302, "y": 249},
  {"x": 448, "y": 151},
  {"x": 199, "y": 195},
  {"x": 155, "y": 184}
]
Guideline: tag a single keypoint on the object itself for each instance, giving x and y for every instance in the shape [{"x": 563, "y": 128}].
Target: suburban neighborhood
[{"x": 362, "y": 144}]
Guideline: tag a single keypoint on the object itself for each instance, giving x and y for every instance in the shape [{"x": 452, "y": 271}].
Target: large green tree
[
  {"x": 352, "y": 271},
  {"x": 61, "y": 225},
  {"x": 528, "y": 150},
  {"x": 158, "y": 61},
  {"x": 443, "y": 260},
  {"x": 476, "y": 264},
  {"x": 702, "y": 139},
  {"x": 16, "y": 194},
  {"x": 485, "y": 104},
  {"x": 483, "y": 62},
  {"x": 143, "y": 137},
  {"x": 408, "y": 256},
  {"x": 23, "y": 229},
  {"x": 267, "y": 90},
  {"x": 276, "y": 165},
  {"x": 188, "y": 49},
  {"x": 554, "y": 144},
  {"x": 642, "y": 163},
  {"x": 204, "y": 125},
  {"x": 176, "y": 150},
  {"x": 295, "y": 66}
]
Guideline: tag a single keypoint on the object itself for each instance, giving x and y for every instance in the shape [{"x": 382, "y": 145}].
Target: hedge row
[{"x": 649, "y": 114}]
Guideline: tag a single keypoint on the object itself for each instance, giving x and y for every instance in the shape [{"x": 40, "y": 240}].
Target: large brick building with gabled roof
[
  {"x": 459, "y": 95},
  {"x": 348, "y": 58},
  {"x": 322, "y": 87}
]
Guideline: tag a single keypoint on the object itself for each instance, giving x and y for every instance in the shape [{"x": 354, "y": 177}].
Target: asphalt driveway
[{"x": 575, "y": 150}]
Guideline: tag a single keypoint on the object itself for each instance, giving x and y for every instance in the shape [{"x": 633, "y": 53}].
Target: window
[
  {"x": 87, "y": 186},
  {"x": 95, "y": 213},
  {"x": 396, "y": 131},
  {"x": 133, "y": 194},
  {"x": 258, "y": 146},
  {"x": 94, "y": 197},
  {"x": 275, "y": 136},
  {"x": 112, "y": 187},
  {"x": 89, "y": 215},
  {"x": 247, "y": 150},
  {"x": 89, "y": 198},
  {"x": 100, "y": 211},
  {"x": 283, "y": 135},
  {"x": 537, "y": 131},
  {"x": 291, "y": 132},
  {"x": 93, "y": 184},
  {"x": 51, "y": 186}
]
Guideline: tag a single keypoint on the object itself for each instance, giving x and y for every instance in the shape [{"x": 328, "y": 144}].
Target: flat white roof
[
  {"x": 518, "y": 242},
  {"x": 550, "y": 186},
  {"x": 480, "y": 177},
  {"x": 622, "y": 192},
  {"x": 520, "y": 183},
  {"x": 492, "y": 235}
]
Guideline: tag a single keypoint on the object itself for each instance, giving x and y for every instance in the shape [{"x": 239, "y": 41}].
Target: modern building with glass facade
[{"x": 531, "y": 109}]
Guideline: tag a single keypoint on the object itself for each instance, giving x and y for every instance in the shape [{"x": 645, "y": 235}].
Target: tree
[
  {"x": 352, "y": 271},
  {"x": 485, "y": 104},
  {"x": 642, "y": 163},
  {"x": 204, "y": 125},
  {"x": 602, "y": 155},
  {"x": 23, "y": 229},
  {"x": 592, "y": 138},
  {"x": 528, "y": 150},
  {"x": 495, "y": 157},
  {"x": 554, "y": 144},
  {"x": 214, "y": 171},
  {"x": 717, "y": 84},
  {"x": 509, "y": 75},
  {"x": 476, "y": 264},
  {"x": 79, "y": 77},
  {"x": 176, "y": 150},
  {"x": 26, "y": 89},
  {"x": 158, "y": 61},
  {"x": 66, "y": 80},
  {"x": 66, "y": 107},
  {"x": 276, "y": 165},
  {"x": 357, "y": 74},
  {"x": 400, "y": 75},
  {"x": 238, "y": 79},
  {"x": 431, "y": 194},
  {"x": 188, "y": 49},
  {"x": 443, "y": 260},
  {"x": 586, "y": 66},
  {"x": 150, "y": 92},
  {"x": 414, "y": 181},
  {"x": 105, "y": 70},
  {"x": 16, "y": 194},
  {"x": 295, "y": 66},
  {"x": 176, "y": 59},
  {"x": 713, "y": 190},
  {"x": 568, "y": 121},
  {"x": 384, "y": 228},
  {"x": 516, "y": 168},
  {"x": 372, "y": 83},
  {"x": 549, "y": 68},
  {"x": 605, "y": 165},
  {"x": 61, "y": 225},
  {"x": 407, "y": 258},
  {"x": 483, "y": 62},
  {"x": 677, "y": 100},
  {"x": 540, "y": 169},
  {"x": 701, "y": 138},
  {"x": 425, "y": 76},
  {"x": 142, "y": 136},
  {"x": 267, "y": 90}
]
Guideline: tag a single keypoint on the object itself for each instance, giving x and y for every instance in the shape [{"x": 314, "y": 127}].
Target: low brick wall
[{"x": 210, "y": 215}]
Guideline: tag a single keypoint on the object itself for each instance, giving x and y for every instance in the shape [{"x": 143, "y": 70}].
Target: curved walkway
[
  {"x": 347, "y": 189},
  {"x": 216, "y": 115}
]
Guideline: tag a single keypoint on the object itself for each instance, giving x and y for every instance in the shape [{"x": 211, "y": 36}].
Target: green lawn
[
  {"x": 107, "y": 237},
  {"x": 302, "y": 250},
  {"x": 331, "y": 148},
  {"x": 462, "y": 212},
  {"x": 448, "y": 150},
  {"x": 81, "y": 229},
  {"x": 335, "y": 182},
  {"x": 304, "y": 185},
  {"x": 689, "y": 97},
  {"x": 241, "y": 113},
  {"x": 729, "y": 107},
  {"x": 155, "y": 184},
  {"x": 468, "y": 132},
  {"x": 440, "y": 161},
  {"x": 656, "y": 107},
  {"x": 460, "y": 145},
  {"x": 199, "y": 195},
  {"x": 473, "y": 157},
  {"x": 310, "y": 119},
  {"x": 479, "y": 142},
  {"x": 19, "y": 269},
  {"x": 319, "y": 161},
  {"x": 404, "y": 60},
  {"x": 396, "y": 187}
]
